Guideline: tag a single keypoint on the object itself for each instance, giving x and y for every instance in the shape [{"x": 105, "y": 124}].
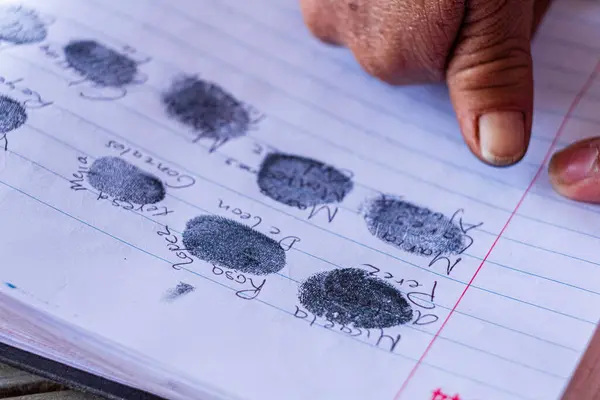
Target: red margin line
[{"x": 560, "y": 131}]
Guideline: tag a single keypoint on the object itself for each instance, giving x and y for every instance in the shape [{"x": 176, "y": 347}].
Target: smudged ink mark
[
  {"x": 100, "y": 64},
  {"x": 180, "y": 290},
  {"x": 209, "y": 110},
  {"x": 19, "y": 25},
  {"x": 232, "y": 245},
  {"x": 351, "y": 296},
  {"x": 125, "y": 181},
  {"x": 12, "y": 116},
  {"x": 302, "y": 182},
  {"x": 10, "y": 285},
  {"x": 412, "y": 228}
]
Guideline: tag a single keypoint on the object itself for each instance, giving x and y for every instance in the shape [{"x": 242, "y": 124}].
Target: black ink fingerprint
[
  {"x": 20, "y": 25},
  {"x": 100, "y": 64},
  {"x": 208, "y": 109},
  {"x": 301, "y": 182},
  {"x": 412, "y": 228},
  {"x": 232, "y": 245},
  {"x": 351, "y": 296},
  {"x": 181, "y": 289},
  {"x": 125, "y": 181},
  {"x": 12, "y": 114}
]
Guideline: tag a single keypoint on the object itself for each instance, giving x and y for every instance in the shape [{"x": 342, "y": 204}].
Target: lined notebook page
[{"x": 400, "y": 268}]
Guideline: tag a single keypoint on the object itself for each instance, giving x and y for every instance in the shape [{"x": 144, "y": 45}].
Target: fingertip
[
  {"x": 321, "y": 21},
  {"x": 495, "y": 111},
  {"x": 490, "y": 77},
  {"x": 574, "y": 172}
]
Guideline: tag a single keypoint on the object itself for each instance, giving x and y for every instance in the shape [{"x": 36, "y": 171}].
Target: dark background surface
[{"x": 26, "y": 376}]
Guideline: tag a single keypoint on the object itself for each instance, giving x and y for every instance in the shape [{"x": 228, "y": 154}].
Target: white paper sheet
[{"x": 505, "y": 317}]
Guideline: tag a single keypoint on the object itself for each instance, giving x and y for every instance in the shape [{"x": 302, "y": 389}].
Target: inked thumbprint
[
  {"x": 412, "y": 228},
  {"x": 209, "y": 110},
  {"x": 100, "y": 64},
  {"x": 301, "y": 182},
  {"x": 232, "y": 245},
  {"x": 351, "y": 296},
  {"x": 12, "y": 114},
  {"x": 20, "y": 25},
  {"x": 125, "y": 181}
]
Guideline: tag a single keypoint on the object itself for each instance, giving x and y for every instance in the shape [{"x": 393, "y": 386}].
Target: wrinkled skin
[{"x": 481, "y": 49}]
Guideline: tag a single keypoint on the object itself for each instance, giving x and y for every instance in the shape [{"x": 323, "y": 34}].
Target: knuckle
[
  {"x": 381, "y": 61},
  {"x": 492, "y": 68},
  {"x": 410, "y": 44},
  {"x": 491, "y": 55},
  {"x": 496, "y": 75},
  {"x": 494, "y": 23},
  {"x": 501, "y": 79},
  {"x": 494, "y": 51},
  {"x": 398, "y": 62}
]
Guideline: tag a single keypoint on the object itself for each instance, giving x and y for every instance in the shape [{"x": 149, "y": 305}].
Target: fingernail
[
  {"x": 575, "y": 164},
  {"x": 502, "y": 137}
]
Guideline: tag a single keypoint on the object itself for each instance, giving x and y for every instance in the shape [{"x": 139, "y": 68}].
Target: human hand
[
  {"x": 481, "y": 49},
  {"x": 575, "y": 171}
]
